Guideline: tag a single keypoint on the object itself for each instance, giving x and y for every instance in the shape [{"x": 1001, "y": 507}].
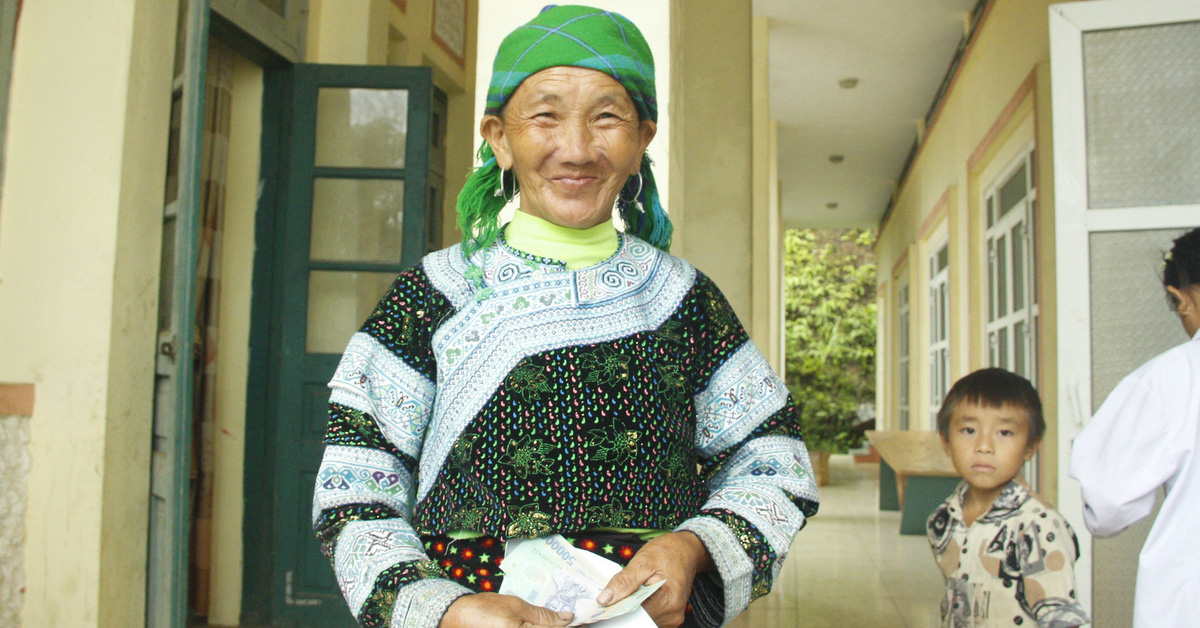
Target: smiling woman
[
  {"x": 573, "y": 137},
  {"x": 557, "y": 376}
]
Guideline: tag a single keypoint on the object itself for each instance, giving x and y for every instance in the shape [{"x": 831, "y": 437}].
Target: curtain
[{"x": 215, "y": 150}]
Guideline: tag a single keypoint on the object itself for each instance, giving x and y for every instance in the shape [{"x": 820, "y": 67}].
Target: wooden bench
[{"x": 915, "y": 475}]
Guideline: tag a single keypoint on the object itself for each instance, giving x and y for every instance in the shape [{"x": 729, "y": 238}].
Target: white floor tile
[{"x": 850, "y": 566}]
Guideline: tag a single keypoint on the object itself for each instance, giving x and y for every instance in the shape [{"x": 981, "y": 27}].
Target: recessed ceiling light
[
  {"x": 836, "y": 158},
  {"x": 831, "y": 205},
  {"x": 849, "y": 82}
]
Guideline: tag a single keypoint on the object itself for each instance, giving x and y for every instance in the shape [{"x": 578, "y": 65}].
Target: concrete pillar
[
  {"x": 80, "y": 232},
  {"x": 722, "y": 160}
]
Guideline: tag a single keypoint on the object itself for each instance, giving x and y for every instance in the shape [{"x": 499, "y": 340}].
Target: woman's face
[{"x": 573, "y": 138}]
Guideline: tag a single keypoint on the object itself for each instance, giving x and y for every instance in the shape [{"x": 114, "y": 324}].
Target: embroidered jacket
[
  {"x": 513, "y": 397},
  {"x": 1013, "y": 566}
]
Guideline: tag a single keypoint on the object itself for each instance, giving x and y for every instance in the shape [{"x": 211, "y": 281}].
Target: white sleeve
[{"x": 1131, "y": 447}]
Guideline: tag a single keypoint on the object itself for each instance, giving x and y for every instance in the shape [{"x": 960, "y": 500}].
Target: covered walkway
[{"x": 850, "y": 566}]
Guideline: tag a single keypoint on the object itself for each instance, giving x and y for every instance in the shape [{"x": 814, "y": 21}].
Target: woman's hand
[
  {"x": 676, "y": 557},
  {"x": 492, "y": 610}
]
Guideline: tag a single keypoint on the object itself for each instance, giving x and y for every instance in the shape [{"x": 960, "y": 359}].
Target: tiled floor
[{"x": 850, "y": 566}]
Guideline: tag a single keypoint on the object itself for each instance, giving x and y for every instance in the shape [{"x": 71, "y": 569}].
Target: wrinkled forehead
[{"x": 582, "y": 86}]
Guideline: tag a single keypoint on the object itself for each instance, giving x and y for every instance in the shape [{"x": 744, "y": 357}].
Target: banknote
[{"x": 550, "y": 572}]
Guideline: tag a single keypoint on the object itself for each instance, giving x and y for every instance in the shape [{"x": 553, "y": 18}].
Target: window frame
[
  {"x": 1011, "y": 303},
  {"x": 939, "y": 326}
]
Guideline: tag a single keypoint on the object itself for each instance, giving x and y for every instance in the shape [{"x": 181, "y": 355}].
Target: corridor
[{"x": 850, "y": 567}]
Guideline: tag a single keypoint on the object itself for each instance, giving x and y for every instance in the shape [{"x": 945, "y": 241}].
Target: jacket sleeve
[
  {"x": 382, "y": 397},
  {"x": 761, "y": 485},
  {"x": 1133, "y": 445}
]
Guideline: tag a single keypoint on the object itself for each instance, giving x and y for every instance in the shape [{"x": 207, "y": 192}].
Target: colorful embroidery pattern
[
  {"x": 477, "y": 563},
  {"x": 536, "y": 312},
  {"x": 373, "y": 381},
  {"x": 366, "y": 549},
  {"x": 583, "y": 450},
  {"x": 527, "y": 399},
  {"x": 754, "y": 545},
  {"x": 403, "y": 318},
  {"x": 379, "y": 606},
  {"x": 357, "y": 475}
]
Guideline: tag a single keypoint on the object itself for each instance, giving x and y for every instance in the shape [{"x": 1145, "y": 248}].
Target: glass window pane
[
  {"x": 943, "y": 258},
  {"x": 992, "y": 359},
  {"x": 1013, "y": 191},
  {"x": 1018, "y": 273},
  {"x": 944, "y": 381},
  {"x": 361, "y": 128},
  {"x": 992, "y": 287},
  {"x": 1033, "y": 250},
  {"x": 1001, "y": 277},
  {"x": 933, "y": 315},
  {"x": 1033, "y": 329},
  {"x": 943, "y": 311},
  {"x": 991, "y": 210},
  {"x": 338, "y": 303},
  {"x": 1002, "y": 347},
  {"x": 357, "y": 220},
  {"x": 1019, "y": 349},
  {"x": 933, "y": 382}
]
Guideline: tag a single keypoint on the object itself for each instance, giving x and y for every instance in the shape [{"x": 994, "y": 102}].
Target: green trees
[{"x": 829, "y": 295}]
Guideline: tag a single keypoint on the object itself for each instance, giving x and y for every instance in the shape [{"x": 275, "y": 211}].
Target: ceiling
[{"x": 899, "y": 50}]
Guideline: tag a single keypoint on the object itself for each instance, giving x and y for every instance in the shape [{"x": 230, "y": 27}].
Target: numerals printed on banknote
[{"x": 550, "y": 572}]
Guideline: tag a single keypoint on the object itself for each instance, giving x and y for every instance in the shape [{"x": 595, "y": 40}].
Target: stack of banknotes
[{"x": 550, "y": 572}]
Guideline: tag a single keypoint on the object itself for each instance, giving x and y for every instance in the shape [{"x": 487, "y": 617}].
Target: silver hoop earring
[
  {"x": 634, "y": 200},
  {"x": 504, "y": 174}
]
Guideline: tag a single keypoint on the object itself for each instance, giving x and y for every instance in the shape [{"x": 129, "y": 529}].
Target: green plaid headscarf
[{"x": 582, "y": 37}]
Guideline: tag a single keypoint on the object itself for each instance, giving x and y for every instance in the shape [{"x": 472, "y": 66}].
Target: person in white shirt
[{"x": 1146, "y": 435}]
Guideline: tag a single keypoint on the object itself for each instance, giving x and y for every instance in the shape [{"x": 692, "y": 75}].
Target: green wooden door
[{"x": 351, "y": 213}]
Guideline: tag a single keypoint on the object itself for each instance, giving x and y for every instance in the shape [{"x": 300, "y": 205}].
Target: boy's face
[{"x": 988, "y": 445}]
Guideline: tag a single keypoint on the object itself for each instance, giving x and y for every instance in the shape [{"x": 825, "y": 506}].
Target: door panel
[
  {"x": 350, "y": 214},
  {"x": 1120, "y": 197}
]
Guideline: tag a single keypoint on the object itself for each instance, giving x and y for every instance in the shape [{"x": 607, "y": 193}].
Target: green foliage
[{"x": 829, "y": 293}]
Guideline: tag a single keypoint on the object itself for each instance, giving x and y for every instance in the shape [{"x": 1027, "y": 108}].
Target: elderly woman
[{"x": 559, "y": 376}]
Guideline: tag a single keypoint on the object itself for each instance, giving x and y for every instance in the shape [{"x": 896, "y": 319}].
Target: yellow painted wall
[
  {"x": 712, "y": 146},
  {"x": 79, "y": 242},
  {"x": 766, "y": 249},
  {"x": 1010, "y": 49}
]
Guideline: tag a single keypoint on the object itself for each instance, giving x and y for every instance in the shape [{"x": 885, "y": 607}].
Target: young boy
[{"x": 1008, "y": 557}]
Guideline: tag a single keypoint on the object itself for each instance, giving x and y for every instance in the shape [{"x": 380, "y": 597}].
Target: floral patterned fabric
[
  {"x": 508, "y": 396},
  {"x": 1014, "y": 566}
]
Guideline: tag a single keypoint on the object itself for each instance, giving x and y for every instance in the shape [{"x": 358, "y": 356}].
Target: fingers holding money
[
  {"x": 492, "y": 610},
  {"x": 674, "y": 557}
]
